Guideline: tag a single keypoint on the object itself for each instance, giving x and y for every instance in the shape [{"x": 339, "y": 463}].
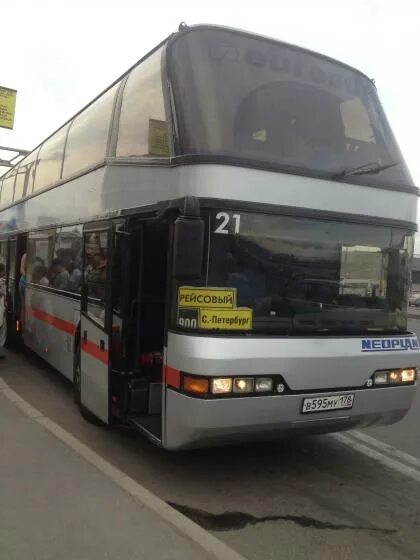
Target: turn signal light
[{"x": 197, "y": 385}]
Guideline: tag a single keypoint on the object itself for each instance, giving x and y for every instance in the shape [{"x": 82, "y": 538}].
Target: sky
[{"x": 59, "y": 55}]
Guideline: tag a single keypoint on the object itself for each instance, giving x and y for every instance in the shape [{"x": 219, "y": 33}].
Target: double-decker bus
[{"x": 218, "y": 247}]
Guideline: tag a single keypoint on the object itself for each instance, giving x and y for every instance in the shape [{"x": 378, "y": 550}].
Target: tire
[{"x": 84, "y": 412}]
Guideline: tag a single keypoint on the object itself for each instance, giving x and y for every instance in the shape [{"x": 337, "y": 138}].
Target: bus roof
[{"x": 183, "y": 29}]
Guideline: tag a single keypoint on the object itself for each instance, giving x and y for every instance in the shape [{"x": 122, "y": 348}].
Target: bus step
[
  {"x": 150, "y": 424},
  {"x": 139, "y": 396}
]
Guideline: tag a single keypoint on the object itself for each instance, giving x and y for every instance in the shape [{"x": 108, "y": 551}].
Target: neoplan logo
[{"x": 390, "y": 344}]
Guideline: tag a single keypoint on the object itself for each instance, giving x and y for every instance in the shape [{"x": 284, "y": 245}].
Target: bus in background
[{"x": 219, "y": 246}]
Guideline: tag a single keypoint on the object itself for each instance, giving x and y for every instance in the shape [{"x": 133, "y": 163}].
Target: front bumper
[{"x": 194, "y": 422}]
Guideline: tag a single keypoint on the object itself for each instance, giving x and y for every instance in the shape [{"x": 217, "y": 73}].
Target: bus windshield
[
  {"x": 300, "y": 275},
  {"x": 247, "y": 98}
]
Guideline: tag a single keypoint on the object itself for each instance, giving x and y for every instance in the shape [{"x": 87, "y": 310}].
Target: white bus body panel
[
  {"x": 50, "y": 324},
  {"x": 192, "y": 422},
  {"x": 114, "y": 187}
]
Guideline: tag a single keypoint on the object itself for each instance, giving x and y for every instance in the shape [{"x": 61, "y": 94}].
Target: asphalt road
[{"x": 313, "y": 498}]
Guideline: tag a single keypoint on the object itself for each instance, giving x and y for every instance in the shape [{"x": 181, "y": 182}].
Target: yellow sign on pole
[{"x": 7, "y": 107}]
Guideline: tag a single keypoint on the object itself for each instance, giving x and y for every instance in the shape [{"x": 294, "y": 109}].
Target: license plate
[{"x": 323, "y": 404}]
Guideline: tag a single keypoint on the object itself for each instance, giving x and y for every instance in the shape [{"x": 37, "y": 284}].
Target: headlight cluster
[
  {"x": 221, "y": 385},
  {"x": 224, "y": 386},
  {"x": 387, "y": 377}
]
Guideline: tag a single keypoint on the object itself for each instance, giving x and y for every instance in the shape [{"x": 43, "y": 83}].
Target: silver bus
[{"x": 218, "y": 247}]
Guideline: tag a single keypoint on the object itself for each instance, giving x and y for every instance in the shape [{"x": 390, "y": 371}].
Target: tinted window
[
  {"x": 12, "y": 258},
  {"x": 50, "y": 160},
  {"x": 3, "y": 265},
  {"x": 66, "y": 268},
  {"x": 12, "y": 272},
  {"x": 88, "y": 136},
  {"x": 96, "y": 263},
  {"x": 246, "y": 97},
  {"x": 25, "y": 176},
  {"x": 40, "y": 255},
  {"x": 143, "y": 127}
]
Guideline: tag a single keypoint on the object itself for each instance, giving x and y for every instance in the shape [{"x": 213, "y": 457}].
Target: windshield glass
[
  {"x": 250, "y": 98},
  {"x": 298, "y": 275}
]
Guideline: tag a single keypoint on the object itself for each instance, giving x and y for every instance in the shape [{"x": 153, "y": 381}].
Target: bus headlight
[
  {"x": 221, "y": 385},
  {"x": 243, "y": 385},
  {"x": 408, "y": 375},
  {"x": 381, "y": 378},
  {"x": 263, "y": 384},
  {"x": 232, "y": 387},
  {"x": 394, "y": 377}
]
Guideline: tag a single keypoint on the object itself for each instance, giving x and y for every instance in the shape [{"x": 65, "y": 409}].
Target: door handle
[
  {"x": 84, "y": 336},
  {"x": 102, "y": 345}
]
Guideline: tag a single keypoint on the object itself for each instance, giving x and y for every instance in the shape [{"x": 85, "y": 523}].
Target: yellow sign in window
[
  {"x": 226, "y": 319},
  {"x": 7, "y": 107},
  {"x": 158, "y": 138},
  {"x": 197, "y": 298}
]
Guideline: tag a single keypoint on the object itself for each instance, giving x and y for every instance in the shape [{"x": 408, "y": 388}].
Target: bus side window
[
  {"x": 40, "y": 246},
  {"x": 66, "y": 270},
  {"x": 96, "y": 265}
]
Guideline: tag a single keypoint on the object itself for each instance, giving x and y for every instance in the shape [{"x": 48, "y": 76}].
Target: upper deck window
[
  {"x": 88, "y": 136},
  {"x": 143, "y": 127},
  {"x": 25, "y": 175},
  {"x": 7, "y": 187},
  {"x": 50, "y": 160},
  {"x": 249, "y": 98}
]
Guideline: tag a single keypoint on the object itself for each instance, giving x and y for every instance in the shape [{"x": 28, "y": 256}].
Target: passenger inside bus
[
  {"x": 67, "y": 257},
  {"x": 59, "y": 275},
  {"x": 39, "y": 275},
  {"x": 97, "y": 276}
]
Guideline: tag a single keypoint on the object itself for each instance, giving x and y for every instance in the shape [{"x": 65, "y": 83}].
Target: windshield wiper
[{"x": 366, "y": 169}]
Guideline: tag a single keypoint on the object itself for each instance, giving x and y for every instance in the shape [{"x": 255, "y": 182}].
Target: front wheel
[{"x": 77, "y": 391}]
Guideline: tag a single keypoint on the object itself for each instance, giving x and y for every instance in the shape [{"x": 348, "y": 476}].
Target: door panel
[
  {"x": 95, "y": 319},
  {"x": 94, "y": 346}
]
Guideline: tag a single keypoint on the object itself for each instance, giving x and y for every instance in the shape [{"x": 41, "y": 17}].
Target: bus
[{"x": 217, "y": 249}]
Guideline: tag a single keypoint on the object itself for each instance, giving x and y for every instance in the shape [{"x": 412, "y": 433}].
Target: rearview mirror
[{"x": 188, "y": 247}]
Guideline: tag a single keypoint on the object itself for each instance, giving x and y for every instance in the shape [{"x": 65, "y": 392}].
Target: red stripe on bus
[
  {"x": 56, "y": 322},
  {"x": 172, "y": 377},
  {"x": 94, "y": 350}
]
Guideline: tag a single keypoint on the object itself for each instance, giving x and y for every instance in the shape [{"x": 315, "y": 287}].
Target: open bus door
[
  {"x": 11, "y": 273},
  {"x": 15, "y": 299},
  {"x": 94, "y": 371}
]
